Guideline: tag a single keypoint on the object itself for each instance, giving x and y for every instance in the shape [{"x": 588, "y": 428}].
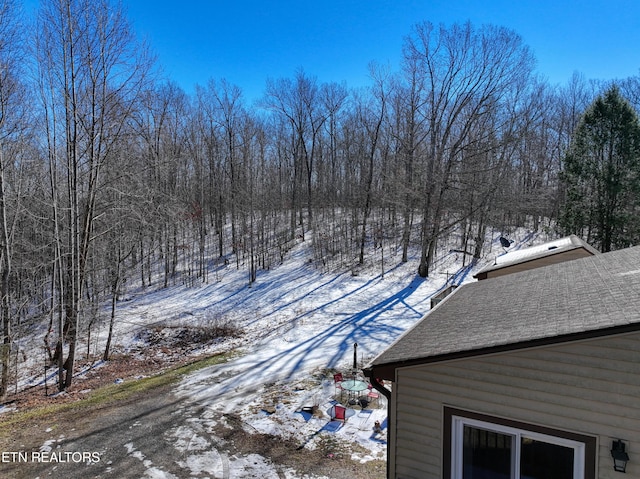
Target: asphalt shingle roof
[{"x": 591, "y": 294}]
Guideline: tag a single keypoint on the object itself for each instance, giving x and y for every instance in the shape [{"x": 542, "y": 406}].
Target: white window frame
[{"x": 457, "y": 435}]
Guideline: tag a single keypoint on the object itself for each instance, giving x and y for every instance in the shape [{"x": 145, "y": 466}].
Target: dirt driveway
[{"x": 104, "y": 433}]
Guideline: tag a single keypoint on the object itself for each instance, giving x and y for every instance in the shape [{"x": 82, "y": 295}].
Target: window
[{"x": 483, "y": 447}]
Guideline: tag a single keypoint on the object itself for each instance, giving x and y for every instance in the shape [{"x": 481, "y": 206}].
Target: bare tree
[
  {"x": 410, "y": 131},
  {"x": 371, "y": 117},
  {"x": 334, "y": 99},
  {"x": 467, "y": 73},
  {"x": 299, "y": 105},
  {"x": 12, "y": 116},
  {"x": 91, "y": 73},
  {"x": 224, "y": 108}
]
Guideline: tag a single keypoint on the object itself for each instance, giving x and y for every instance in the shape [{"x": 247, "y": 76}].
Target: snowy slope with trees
[{"x": 112, "y": 178}]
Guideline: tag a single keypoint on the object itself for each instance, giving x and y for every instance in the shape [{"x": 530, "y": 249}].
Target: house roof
[
  {"x": 533, "y": 253},
  {"x": 588, "y": 297}
]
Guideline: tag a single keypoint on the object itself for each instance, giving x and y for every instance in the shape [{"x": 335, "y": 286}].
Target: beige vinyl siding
[{"x": 590, "y": 387}]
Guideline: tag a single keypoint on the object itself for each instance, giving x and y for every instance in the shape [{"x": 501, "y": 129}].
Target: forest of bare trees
[{"x": 112, "y": 176}]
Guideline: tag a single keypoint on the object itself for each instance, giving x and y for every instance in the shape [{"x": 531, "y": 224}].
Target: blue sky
[{"x": 248, "y": 41}]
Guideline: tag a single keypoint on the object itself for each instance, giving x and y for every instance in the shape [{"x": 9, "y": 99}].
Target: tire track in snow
[{"x": 199, "y": 454}]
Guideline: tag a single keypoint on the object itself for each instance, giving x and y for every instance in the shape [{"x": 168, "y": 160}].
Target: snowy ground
[
  {"x": 299, "y": 325},
  {"x": 297, "y": 336}
]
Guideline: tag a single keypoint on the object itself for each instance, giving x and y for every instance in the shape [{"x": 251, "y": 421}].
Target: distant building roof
[
  {"x": 537, "y": 252},
  {"x": 587, "y": 297}
]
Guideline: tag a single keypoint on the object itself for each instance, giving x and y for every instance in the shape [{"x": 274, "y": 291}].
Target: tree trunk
[{"x": 5, "y": 309}]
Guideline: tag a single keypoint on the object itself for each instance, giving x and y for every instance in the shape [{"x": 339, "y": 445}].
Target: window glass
[
  {"x": 486, "y": 454},
  {"x": 483, "y": 449},
  {"x": 542, "y": 460}
]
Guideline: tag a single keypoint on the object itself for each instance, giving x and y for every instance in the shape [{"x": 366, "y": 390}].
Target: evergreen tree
[{"x": 602, "y": 175}]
